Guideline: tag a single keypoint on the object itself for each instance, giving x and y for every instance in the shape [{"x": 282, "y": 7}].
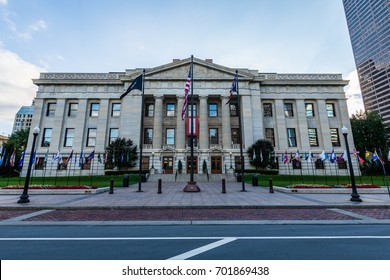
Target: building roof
[{"x": 26, "y": 110}]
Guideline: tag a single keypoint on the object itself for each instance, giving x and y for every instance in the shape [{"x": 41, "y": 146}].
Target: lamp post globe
[
  {"x": 24, "y": 197},
  {"x": 231, "y": 166},
  {"x": 152, "y": 160},
  {"x": 354, "y": 196}
]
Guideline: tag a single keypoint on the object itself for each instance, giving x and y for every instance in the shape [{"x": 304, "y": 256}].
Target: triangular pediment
[{"x": 203, "y": 70}]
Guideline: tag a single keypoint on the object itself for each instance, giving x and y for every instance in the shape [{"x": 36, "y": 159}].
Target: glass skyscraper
[{"x": 369, "y": 29}]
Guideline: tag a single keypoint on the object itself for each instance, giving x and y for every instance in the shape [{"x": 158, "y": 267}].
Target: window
[
  {"x": 269, "y": 135},
  {"x": 116, "y": 110},
  {"x": 213, "y": 132},
  {"x": 237, "y": 163},
  {"x": 94, "y": 112},
  {"x": 149, "y": 110},
  {"x": 291, "y": 136},
  {"x": 313, "y": 139},
  {"x": 233, "y": 109},
  {"x": 91, "y": 138},
  {"x": 39, "y": 163},
  {"x": 189, "y": 110},
  {"x": 319, "y": 164},
  {"x": 296, "y": 164},
  {"x": 330, "y": 110},
  {"x": 334, "y": 137},
  {"x": 170, "y": 136},
  {"x": 170, "y": 110},
  {"x": 267, "y": 109},
  {"x": 114, "y": 134},
  {"x": 288, "y": 110},
  {"x": 148, "y": 136},
  {"x": 235, "y": 136},
  {"x": 51, "y": 109},
  {"x": 145, "y": 163},
  {"x": 46, "y": 138},
  {"x": 342, "y": 164},
  {"x": 69, "y": 135},
  {"x": 213, "y": 110},
  {"x": 309, "y": 109},
  {"x": 72, "y": 110}
]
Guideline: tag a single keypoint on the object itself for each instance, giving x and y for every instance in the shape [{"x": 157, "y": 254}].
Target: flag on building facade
[
  {"x": 376, "y": 157},
  {"x": 323, "y": 156},
  {"x": 81, "y": 159},
  {"x": 2, "y": 157},
  {"x": 91, "y": 156},
  {"x": 1, "y": 149},
  {"x": 333, "y": 157},
  {"x": 22, "y": 159},
  {"x": 388, "y": 156},
  {"x": 55, "y": 157},
  {"x": 12, "y": 158},
  {"x": 354, "y": 151},
  {"x": 297, "y": 156},
  {"x": 186, "y": 91},
  {"x": 69, "y": 158},
  {"x": 285, "y": 158},
  {"x": 136, "y": 84},
  {"x": 233, "y": 88},
  {"x": 369, "y": 156},
  {"x": 99, "y": 158}
]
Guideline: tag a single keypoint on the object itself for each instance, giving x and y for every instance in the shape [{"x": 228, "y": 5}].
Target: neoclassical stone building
[{"x": 83, "y": 112}]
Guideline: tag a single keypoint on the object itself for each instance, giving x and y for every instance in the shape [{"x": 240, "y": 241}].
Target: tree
[
  {"x": 369, "y": 132},
  {"x": 121, "y": 153},
  {"x": 261, "y": 153}
]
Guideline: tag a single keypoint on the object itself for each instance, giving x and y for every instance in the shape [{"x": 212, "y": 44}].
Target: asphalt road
[{"x": 196, "y": 242}]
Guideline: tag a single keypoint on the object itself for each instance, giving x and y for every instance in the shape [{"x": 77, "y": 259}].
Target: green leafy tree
[
  {"x": 121, "y": 153},
  {"x": 261, "y": 153},
  {"x": 369, "y": 132}
]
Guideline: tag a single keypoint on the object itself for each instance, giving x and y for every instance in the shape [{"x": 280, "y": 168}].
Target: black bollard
[
  {"x": 223, "y": 186},
  {"x": 159, "y": 186},
  {"x": 271, "y": 187},
  {"x": 111, "y": 186}
]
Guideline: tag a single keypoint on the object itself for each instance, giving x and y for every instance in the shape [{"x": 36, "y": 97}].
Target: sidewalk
[{"x": 209, "y": 205}]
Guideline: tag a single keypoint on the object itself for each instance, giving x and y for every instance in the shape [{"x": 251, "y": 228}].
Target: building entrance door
[
  {"x": 189, "y": 165},
  {"x": 168, "y": 165},
  {"x": 216, "y": 165}
]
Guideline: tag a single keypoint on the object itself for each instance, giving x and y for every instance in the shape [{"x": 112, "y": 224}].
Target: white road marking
[
  {"x": 27, "y": 216},
  {"x": 351, "y": 214},
  {"x": 203, "y": 249}
]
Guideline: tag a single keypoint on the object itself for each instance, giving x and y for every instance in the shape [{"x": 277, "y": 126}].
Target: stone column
[
  {"x": 57, "y": 132},
  {"x": 226, "y": 125},
  {"x": 203, "y": 123},
  {"x": 247, "y": 123},
  {"x": 80, "y": 125},
  {"x": 157, "y": 124},
  {"x": 180, "y": 125},
  {"x": 101, "y": 128},
  {"x": 281, "y": 125}
]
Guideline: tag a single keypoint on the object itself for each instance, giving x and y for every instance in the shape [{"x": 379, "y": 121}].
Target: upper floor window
[
  {"x": 213, "y": 110},
  {"x": 171, "y": 108},
  {"x": 309, "y": 109},
  {"x": 235, "y": 136},
  {"x": 170, "y": 139},
  {"x": 69, "y": 135},
  {"x": 288, "y": 110},
  {"x": 330, "y": 110},
  {"x": 91, "y": 137},
  {"x": 46, "y": 138},
  {"x": 189, "y": 110},
  {"x": 313, "y": 138},
  {"x": 94, "y": 110},
  {"x": 233, "y": 109},
  {"x": 72, "y": 110},
  {"x": 267, "y": 109},
  {"x": 292, "y": 138},
  {"x": 116, "y": 109},
  {"x": 334, "y": 137},
  {"x": 114, "y": 134},
  {"x": 148, "y": 136},
  {"x": 51, "y": 109},
  {"x": 213, "y": 136},
  {"x": 149, "y": 110}
]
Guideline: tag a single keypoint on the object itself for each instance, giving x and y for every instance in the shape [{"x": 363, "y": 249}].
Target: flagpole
[
  {"x": 141, "y": 133},
  {"x": 240, "y": 132},
  {"x": 191, "y": 185}
]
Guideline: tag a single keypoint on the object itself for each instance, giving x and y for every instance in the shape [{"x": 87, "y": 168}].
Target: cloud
[
  {"x": 353, "y": 93},
  {"x": 30, "y": 30},
  {"x": 3, "y": 2},
  {"x": 16, "y": 86}
]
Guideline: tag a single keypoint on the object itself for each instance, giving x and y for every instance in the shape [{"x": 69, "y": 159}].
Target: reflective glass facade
[{"x": 369, "y": 29}]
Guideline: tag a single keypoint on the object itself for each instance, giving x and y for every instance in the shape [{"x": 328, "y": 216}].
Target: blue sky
[{"x": 283, "y": 36}]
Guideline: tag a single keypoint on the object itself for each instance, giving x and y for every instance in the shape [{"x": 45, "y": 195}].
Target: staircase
[{"x": 197, "y": 177}]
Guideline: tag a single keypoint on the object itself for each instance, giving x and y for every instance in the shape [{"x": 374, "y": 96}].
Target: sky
[{"x": 282, "y": 36}]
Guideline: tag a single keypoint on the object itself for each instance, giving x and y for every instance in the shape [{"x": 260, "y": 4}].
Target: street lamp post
[
  {"x": 231, "y": 166},
  {"x": 24, "y": 196},
  {"x": 152, "y": 160},
  {"x": 354, "y": 196}
]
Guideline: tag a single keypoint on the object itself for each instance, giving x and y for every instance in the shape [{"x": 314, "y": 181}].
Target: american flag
[
  {"x": 233, "y": 88},
  {"x": 186, "y": 90}
]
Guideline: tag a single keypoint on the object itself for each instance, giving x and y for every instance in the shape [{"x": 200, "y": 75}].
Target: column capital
[
  {"x": 181, "y": 96},
  {"x": 158, "y": 96},
  {"x": 204, "y": 97}
]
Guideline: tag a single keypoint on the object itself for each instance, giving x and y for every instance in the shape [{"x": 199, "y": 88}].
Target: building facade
[
  {"x": 83, "y": 112},
  {"x": 369, "y": 29},
  {"x": 23, "y": 118}
]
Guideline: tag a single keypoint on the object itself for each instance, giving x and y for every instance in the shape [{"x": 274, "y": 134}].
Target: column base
[{"x": 191, "y": 187}]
